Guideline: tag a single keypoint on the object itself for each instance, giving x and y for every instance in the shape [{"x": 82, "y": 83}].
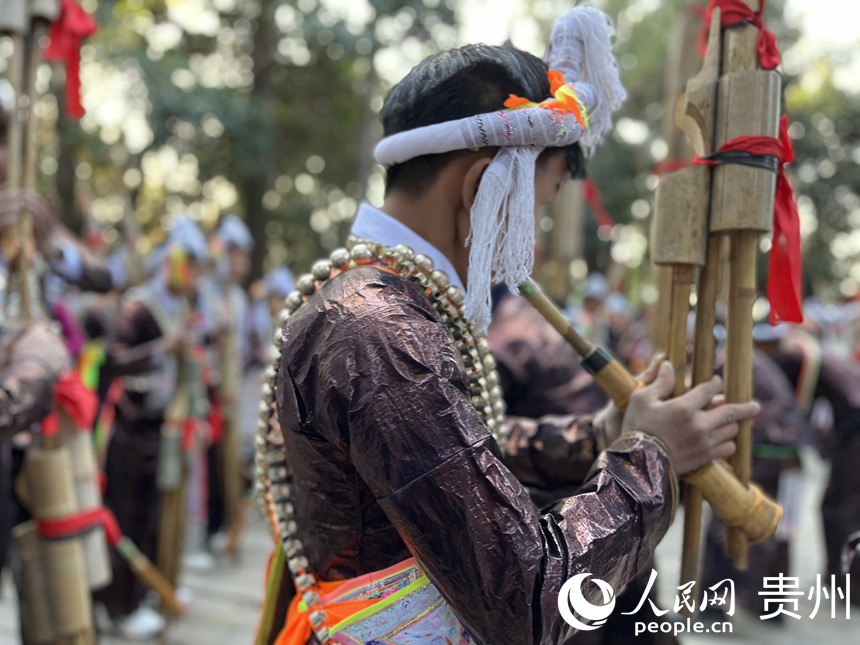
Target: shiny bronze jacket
[
  {"x": 389, "y": 458},
  {"x": 26, "y": 389}
]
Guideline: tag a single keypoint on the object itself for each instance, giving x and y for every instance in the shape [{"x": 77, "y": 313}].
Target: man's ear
[{"x": 472, "y": 180}]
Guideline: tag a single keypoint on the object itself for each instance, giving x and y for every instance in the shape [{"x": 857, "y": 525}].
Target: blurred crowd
[
  {"x": 140, "y": 332},
  {"x": 175, "y": 330}
]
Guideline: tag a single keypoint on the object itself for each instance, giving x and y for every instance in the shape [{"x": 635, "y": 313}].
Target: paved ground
[{"x": 226, "y": 600}]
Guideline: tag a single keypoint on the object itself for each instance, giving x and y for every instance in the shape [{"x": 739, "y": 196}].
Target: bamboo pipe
[
  {"x": 171, "y": 533},
  {"x": 150, "y": 576},
  {"x": 679, "y": 236},
  {"x": 739, "y": 363},
  {"x": 230, "y": 385},
  {"x": 744, "y": 507},
  {"x": 681, "y": 65},
  {"x": 172, "y": 476},
  {"x": 742, "y": 207},
  {"x": 37, "y": 624},
  {"x": 695, "y": 113},
  {"x": 51, "y": 491},
  {"x": 15, "y": 22},
  {"x": 704, "y": 348},
  {"x": 29, "y": 158}
]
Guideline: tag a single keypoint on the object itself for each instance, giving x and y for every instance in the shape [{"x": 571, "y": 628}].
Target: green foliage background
[{"x": 270, "y": 111}]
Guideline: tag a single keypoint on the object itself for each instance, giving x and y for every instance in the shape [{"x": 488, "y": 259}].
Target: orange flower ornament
[{"x": 563, "y": 99}]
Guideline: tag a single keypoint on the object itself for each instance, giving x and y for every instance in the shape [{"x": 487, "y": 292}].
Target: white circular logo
[{"x": 571, "y": 596}]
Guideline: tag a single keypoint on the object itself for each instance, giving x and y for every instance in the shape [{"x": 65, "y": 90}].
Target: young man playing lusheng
[{"x": 402, "y": 517}]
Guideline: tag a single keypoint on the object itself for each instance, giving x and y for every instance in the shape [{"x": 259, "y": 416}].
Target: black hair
[{"x": 456, "y": 84}]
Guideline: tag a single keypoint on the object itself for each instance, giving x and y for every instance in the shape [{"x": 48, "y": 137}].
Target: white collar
[{"x": 372, "y": 224}]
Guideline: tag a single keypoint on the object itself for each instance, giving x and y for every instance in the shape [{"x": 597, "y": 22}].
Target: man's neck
[
  {"x": 426, "y": 217},
  {"x": 431, "y": 217}
]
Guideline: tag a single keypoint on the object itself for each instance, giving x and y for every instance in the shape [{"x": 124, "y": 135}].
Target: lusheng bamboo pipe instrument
[
  {"x": 744, "y": 507},
  {"x": 48, "y": 470}
]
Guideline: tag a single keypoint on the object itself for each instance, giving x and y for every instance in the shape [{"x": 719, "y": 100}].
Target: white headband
[
  {"x": 501, "y": 243},
  {"x": 531, "y": 126}
]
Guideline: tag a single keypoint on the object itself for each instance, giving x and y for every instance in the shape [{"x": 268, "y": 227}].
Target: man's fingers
[
  {"x": 723, "y": 434},
  {"x": 729, "y": 413},
  {"x": 724, "y": 450},
  {"x": 717, "y": 401},
  {"x": 647, "y": 377},
  {"x": 703, "y": 393},
  {"x": 664, "y": 384}
]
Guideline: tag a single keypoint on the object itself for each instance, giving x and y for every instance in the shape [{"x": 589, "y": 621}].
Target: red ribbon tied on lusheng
[
  {"x": 67, "y": 34},
  {"x": 733, "y": 12},
  {"x": 785, "y": 272},
  {"x": 67, "y": 527},
  {"x": 76, "y": 400}
]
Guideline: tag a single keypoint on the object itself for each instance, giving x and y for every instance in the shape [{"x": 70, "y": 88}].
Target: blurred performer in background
[
  {"x": 153, "y": 327},
  {"x": 818, "y": 374}
]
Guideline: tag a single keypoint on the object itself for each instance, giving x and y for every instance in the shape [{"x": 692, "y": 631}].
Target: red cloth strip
[
  {"x": 67, "y": 34},
  {"x": 76, "y": 400},
  {"x": 595, "y": 203},
  {"x": 68, "y": 527},
  {"x": 733, "y": 12},
  {"x": 669, "y": 164},
  {"x": 189, "y": 432},
  {"x": 785, "y": 267},
  {"x": 216, "y": 420}
]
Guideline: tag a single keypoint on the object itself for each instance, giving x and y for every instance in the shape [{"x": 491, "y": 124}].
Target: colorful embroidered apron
[{"x": 396, "y": 606}]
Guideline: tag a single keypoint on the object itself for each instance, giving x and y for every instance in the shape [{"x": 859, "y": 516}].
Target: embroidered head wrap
[{"x": 585, "y": 89}]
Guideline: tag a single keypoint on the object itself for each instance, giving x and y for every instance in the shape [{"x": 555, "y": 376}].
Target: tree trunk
[{"x": 255, "y": 184}]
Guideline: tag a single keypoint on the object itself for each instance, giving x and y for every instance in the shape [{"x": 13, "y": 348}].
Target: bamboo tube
[
  {"x": 660, "y": 332},
  {"x": 37, "y": 624},
  {"x": 739, "y": 362},
  {"x": 172, "y": 477},
  {"x": 15, "y": 22},
  {"x": 742, "y": 207},
  {"x": 679, "y": 233},
  {"x": 171, "y": 533},
  {"x": 88, "y": 496},
  {"x": 151, "y": 576},
  {"x": 679, "y": 237},
  {"x": 230, "y": 373},
  {"x": 704, "y": 349},
  {"x": 738, "y": 505},
  {"x": 50, "y": 485},
  {"x": 680, "y": 66},
  {"x": 695, "y": 113}
]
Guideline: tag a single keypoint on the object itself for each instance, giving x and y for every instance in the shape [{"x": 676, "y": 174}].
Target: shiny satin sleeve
[
  {"x": 392, "y": 393},
  {"x": 25, "y": 396}
]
